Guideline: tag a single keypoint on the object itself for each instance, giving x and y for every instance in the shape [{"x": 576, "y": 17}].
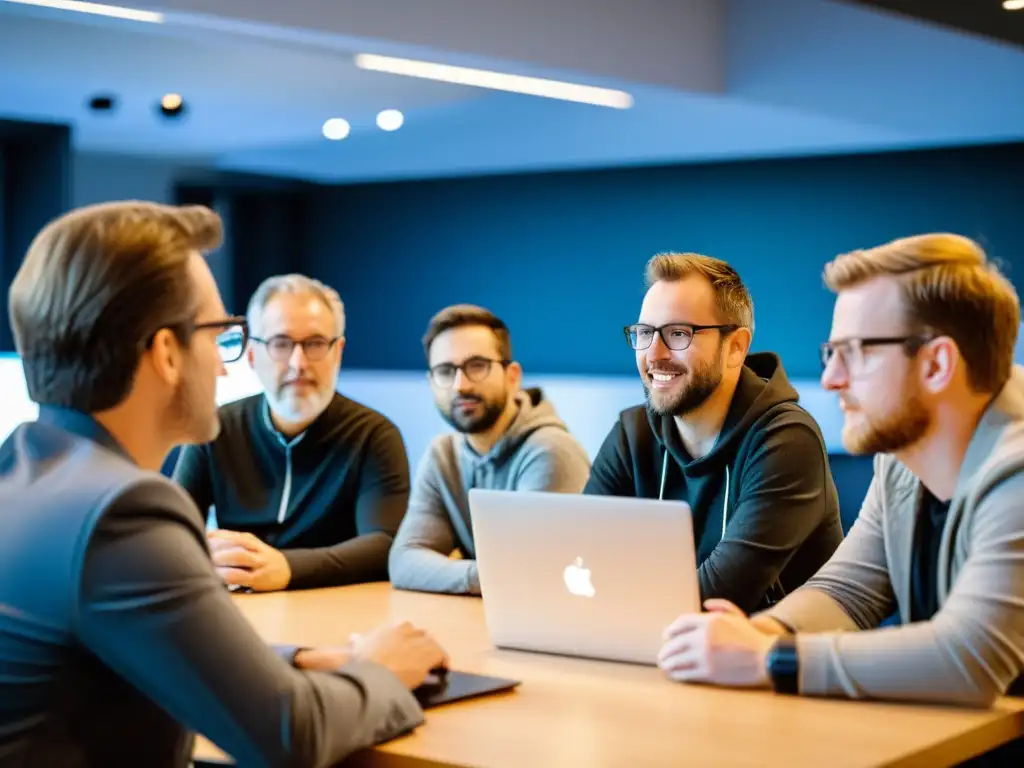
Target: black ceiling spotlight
[
  {"x": 171, "y": 106},
  {"x": 103, "y": 103}
]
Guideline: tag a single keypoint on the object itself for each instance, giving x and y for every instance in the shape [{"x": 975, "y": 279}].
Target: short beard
[
  {"x": 704, "y": 380},
  {"x": 891, "y": 433},
  {"x": 189, "y": 418},
  {"x": 474, "y": 425}
]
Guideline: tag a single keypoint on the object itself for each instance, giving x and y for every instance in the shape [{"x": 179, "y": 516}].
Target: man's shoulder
[
  {"x": 344, "y": 411},
  {"x": 551, "y": 439},
  {"x": 238, "y": 414},
  {"x": 78, "y": 475}
]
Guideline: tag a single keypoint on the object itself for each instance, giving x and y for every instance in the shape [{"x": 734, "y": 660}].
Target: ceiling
[
  {"x": 976, "y": 16},
  {"x": 710, "y": 80}
]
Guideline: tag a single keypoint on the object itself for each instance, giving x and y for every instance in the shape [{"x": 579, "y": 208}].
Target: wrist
[
  {"x": 782, "y": 665},
  {"x": 769, "y": 625},
  {"x": 321, "y": 659}
]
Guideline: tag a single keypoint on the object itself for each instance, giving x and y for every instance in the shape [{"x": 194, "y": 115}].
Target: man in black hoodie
[{"x": 723, "y": 431}]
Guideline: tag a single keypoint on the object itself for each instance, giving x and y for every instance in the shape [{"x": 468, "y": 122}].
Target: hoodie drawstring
[{"x": 725, "y": 505}]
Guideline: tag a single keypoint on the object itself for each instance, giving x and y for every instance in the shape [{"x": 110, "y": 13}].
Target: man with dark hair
[
  {"x": 506, "y": 438},
  {"x": 307, "y": 486},
  {"x": 722, "y": 430},
  {"x": 118, "y": 639}
]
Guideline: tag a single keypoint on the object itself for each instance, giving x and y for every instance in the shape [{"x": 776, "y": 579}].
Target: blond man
[{"x": 921, "y": 356}]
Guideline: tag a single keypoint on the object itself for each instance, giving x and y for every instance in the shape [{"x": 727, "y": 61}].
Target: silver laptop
[{"x": 594, "y": 576}]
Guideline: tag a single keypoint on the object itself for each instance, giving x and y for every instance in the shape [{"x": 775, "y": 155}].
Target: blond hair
[
  {"x": 95, "y": 287},
  {"x": 732, "y": 299},
  {"x": 950, "y": 288}
]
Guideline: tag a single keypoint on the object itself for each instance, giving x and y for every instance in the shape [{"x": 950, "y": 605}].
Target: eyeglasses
[
  {"x": 851, "y": 351},
  {"x": 474, "y": 369},
  {"x": 280, "y": 348},
  {"x": 676, "y": 336},
  {"x": 231, "y": 341}
]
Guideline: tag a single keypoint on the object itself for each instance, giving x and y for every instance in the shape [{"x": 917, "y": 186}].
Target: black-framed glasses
[
  {"x": 232, "y": 339},
  {"x": 280, "y": 348},
  {"x": 851, "y": 351},
  {"x": 475, "y": 369},
  {"x": 675, "y": 336}
]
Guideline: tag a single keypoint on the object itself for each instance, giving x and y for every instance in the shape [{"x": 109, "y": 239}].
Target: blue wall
[{"x": 560, "y": 256}]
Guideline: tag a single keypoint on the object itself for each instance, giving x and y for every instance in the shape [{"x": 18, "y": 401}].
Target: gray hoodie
[{"x": 536, "y": 453}]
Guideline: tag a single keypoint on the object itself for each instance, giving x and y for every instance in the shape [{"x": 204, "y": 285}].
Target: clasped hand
[
  {"x": 243, "y": 560},
  {"x": 721, "y": 647}
]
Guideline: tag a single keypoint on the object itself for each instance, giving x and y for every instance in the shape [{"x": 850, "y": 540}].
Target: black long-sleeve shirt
[
  {"x": 118, "y": 640},
  {"x": 330, "y": 499}
]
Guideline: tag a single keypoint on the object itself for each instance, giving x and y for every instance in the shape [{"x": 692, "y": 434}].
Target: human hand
[
  {"x": 764, "y": 623},
  {"x": 721, "y": 647},
  {"x": 242, "y": 559},
  {"x": 407, "y": 651}
]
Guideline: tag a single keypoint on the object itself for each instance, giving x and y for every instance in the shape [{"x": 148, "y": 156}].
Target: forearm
[
  {"x": 810, "y": 610},
  {"x": 913, "y": 663},
  {"x": 216, "y": 675},
  {"x": 356, "y": 561},
  {"x": 424, "y": 570}
]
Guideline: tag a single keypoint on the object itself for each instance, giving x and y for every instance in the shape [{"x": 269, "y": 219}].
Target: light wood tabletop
[{"x": 578, "y": 712}]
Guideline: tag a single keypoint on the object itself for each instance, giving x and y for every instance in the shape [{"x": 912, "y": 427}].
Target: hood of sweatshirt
[
  {"x": 762, "y": 386},
  {"x": 535, "y": 412}
]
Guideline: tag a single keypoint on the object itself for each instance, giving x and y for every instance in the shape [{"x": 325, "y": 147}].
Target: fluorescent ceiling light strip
[
  {"x": 1014, "y": 5},
  {"x": 532, "y": 86},
  {"x": 97, "y": 9}
]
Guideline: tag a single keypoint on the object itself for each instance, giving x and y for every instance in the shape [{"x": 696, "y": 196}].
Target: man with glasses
[
  {"x": 118, "y": 640},
  {"x": 307, "y": 486},
  {"x": 507, "y": 438},
  {"x": 921, "y": 356},
  {"x": 722, "y": 430}
]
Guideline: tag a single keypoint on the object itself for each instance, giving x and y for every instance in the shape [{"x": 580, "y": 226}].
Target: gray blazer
[
  {"x": 118, "y": 640},
  {"x": 973, "y": 648}
]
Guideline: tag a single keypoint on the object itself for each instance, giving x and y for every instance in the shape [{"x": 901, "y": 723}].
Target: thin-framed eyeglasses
[
  {"x": 280, "y": 348},
  {"x": 675, "y": 336},
  {"x": 475, "y": 369},
  {"x": 850, "y": 352}
]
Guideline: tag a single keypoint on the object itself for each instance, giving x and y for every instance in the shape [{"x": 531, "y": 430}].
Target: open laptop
[{"x": 593, "y": 576}]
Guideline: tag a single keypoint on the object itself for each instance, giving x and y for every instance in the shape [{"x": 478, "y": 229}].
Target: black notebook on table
[{"x": 450, "y": 686}]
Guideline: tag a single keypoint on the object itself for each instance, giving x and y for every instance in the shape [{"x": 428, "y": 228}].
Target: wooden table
[{"x": 576, "y": 712}]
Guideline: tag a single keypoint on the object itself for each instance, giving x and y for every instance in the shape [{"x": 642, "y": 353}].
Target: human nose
[{"x": 835, "y": 376}]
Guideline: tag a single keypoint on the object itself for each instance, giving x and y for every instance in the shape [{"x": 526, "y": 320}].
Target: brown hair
[
  {"x": 95, "y": 286},
  {"x": 950, "y": 288},
  {"x": 459, "y": 315},
  {"x": 732, "y": 299}
]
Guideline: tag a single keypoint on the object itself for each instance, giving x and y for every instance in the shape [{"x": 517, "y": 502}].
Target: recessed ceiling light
[
  {"x": 171, "y": 102},
  {"x": 481, "y": 78},
  {"x": 336, "y": 128},
  {"x": 1013, "y": 5},
  {"x": 390, "y": 120},
  {"x": 97, "y": 9}
]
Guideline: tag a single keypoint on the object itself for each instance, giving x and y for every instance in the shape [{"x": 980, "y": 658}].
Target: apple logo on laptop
[{"x": 577, "y": 579}]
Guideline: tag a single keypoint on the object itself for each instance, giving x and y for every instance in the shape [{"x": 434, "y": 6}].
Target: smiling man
[
  {"x": 506, "y": 438},
  {"x": 722, "y": 430},
  {"x": 308, "y": 486}
]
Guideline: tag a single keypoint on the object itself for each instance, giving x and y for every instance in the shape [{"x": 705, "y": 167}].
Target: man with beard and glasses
[
  {"x": 507, "y": 438},
  {"x": 307, "y": 486},
  {"x": 722, "y": 430},
  {"x": 118, "y": 640},
  {"x": 921, "y": 356}
]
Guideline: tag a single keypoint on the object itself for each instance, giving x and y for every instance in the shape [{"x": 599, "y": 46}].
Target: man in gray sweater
[
  {"x": 921, "y": 355},
  {"x": 507, "y": 438}
]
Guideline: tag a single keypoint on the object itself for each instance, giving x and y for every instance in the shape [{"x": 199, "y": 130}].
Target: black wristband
[{"x": 784, "y": 666}]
